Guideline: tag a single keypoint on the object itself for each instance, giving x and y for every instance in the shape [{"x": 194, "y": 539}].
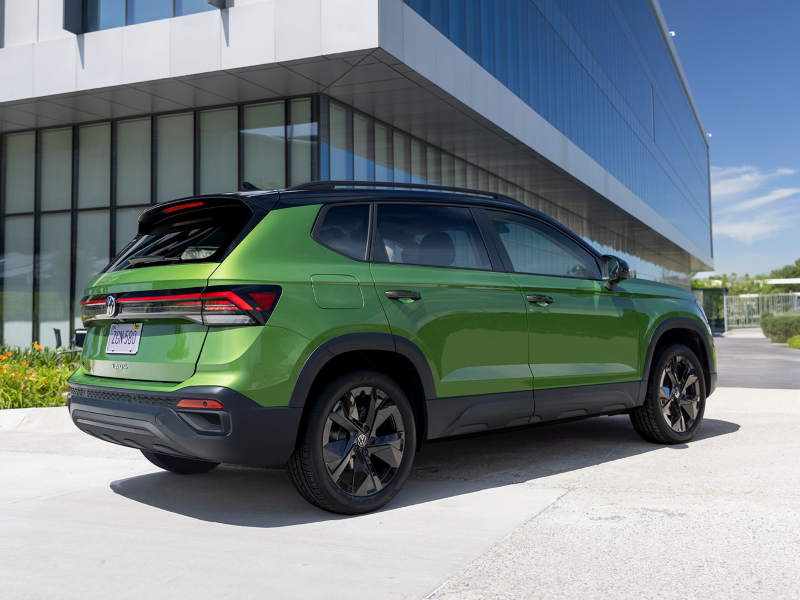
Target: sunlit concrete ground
[{"x": 581, "y": 510}]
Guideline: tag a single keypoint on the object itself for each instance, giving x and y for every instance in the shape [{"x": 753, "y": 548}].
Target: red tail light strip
[
  {"x": 181, "y": 207},
  {"x": 161, "y": 298},
  {"x": 85, "y": 302},
  {"x": 230, "y": 296}
]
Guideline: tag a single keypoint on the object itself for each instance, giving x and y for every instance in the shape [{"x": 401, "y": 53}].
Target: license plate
[{"x": 124, "y": 338}]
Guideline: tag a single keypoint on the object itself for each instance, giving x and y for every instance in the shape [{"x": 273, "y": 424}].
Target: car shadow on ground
[{"x": 250, "y": 497}]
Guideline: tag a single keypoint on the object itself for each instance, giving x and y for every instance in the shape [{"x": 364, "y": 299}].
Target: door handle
[
  {"x": 401, "y": 295},
  {"x": 536, "y": 299}
]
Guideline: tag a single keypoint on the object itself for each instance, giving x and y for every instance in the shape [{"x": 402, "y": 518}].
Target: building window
[{"x": 107, "y": 14}]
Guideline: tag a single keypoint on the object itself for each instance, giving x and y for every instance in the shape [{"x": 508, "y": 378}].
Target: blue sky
[{"x": 742, "y": 60}]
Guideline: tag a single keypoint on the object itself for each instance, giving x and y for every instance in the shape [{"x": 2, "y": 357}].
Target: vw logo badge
[
  {"x": 111, "y": 306},
  {"x": 361, "y": 440}
]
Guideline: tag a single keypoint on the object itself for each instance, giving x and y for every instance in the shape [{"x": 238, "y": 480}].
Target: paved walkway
[
  {"x": 745, "y": 358},
  {"x": 580, "y": 510}
]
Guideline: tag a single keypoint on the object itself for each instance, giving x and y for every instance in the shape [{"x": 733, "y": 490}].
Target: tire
[
  {"x": 178, "y": 464},
  {"x": 676, "y": 398},
  {"x": 357, "y": 445}
]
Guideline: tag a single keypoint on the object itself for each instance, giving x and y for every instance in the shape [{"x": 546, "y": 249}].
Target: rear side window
[
  {"x": 536, "y": 248},
  {"x": 202, "y": 234},
  {"x": 346, "y": 230},
  {"x": 436, "y": 236}
]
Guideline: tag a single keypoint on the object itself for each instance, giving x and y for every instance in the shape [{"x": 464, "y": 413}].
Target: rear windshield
[{"x": 202, "y": 235}]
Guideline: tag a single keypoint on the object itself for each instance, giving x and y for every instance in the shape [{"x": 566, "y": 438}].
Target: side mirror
[{"x": 613, "y": 270}]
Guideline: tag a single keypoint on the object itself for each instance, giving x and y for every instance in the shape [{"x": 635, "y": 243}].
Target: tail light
[{"x": 237, "y": 305}]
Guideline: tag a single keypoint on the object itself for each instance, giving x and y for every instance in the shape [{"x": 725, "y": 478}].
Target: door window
[
  {"x": 536, "y": 248},
  {"x": 345, "y": 229},
  {"x": 436, "y": 236}
]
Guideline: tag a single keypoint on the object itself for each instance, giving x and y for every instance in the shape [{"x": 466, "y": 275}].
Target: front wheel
[
  {"x": 676, "y": 398},
  {"x": 178, "y": 464},
  {"x": 357, "y": 445}
]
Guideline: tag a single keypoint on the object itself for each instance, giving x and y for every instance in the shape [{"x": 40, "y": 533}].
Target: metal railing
[{"x": 746, "y": 310}]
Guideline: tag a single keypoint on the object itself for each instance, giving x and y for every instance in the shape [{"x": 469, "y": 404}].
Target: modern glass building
[{"x": 579, "y": 109}]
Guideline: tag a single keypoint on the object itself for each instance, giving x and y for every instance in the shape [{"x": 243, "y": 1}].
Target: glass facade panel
[
  {"x": 264, "y": 139},
  {"x": 175, "y": 157},
  {"x": 341, "y": 155},
  {"x": 363, "y": 161},
  {"x": 127, "y": 226},
  {"x": 56, "y": 169},
  {"x": 601, "y": 73},
  {"x": 383, "y": 153},
  {"x": 219, "y": 151},
  {"x": 143, "y": 11},
  {"x": 190, "y": 7},
  {"x": 92, "y": 252},
  {"x": 302, "y": 140},
  {"x": 94, "y": 165},
  {"x": 54, "y": 278},
  {"x": 401, "y": 149},
  {"x": 134, "y": 155},
  {"x": 17, "y": 281},
  {"x": 20, "y": 171},
  {"x": 103, "y": 14}
]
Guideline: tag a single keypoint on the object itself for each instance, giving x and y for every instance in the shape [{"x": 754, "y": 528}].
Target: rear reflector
[
  {"x": 182, "y": 206},
  {"x": 212, "y": 404}
]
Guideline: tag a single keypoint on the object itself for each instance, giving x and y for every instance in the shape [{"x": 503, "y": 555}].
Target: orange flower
[
  {"x": 9, "y": 353},
  {"x": 3, "y": 357}
]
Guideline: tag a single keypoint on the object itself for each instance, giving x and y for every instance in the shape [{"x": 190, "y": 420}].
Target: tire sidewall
[
  {"x": 671, "y": 352},
  {"x": 329, "y": 397}
]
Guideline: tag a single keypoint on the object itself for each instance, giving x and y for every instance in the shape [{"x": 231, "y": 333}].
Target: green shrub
[
  {"x": 794, "y": 342},
  {"x": 779, "y": 328},
  {"x": 34, "y": 377}
]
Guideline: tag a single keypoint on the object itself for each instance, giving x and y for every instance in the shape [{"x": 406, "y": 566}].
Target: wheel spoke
[
  {"x": 345, "y": 423},
  {"x": 383, "y": 414},
  {"x": 690, "y": 405},
  {"x": 669, "y": 371},
  {"x": 388, "y": 448},
  {"x": 373, "y": 401},
  {"x": 689, "y": 379},
  {"x": 345, "y": 460}
]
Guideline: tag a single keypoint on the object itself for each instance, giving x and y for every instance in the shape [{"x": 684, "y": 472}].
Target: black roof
[{"x": 326, "y": 192}]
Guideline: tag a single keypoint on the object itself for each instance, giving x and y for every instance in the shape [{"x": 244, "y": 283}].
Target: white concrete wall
[{"x": 41, "y": 59}]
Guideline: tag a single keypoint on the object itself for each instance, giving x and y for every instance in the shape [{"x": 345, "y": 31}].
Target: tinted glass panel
[
  {"x": 142, "y": 11},
  {"x": 440, "y": 236},
  {"x": 537, "y": 248},
  {"x": 345, "y": 229}
]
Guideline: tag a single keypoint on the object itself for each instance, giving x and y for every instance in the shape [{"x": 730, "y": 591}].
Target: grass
[{"x": 34, "y": 376}]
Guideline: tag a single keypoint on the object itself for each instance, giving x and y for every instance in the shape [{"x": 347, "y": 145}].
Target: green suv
[{"x": 336, "y": 326}]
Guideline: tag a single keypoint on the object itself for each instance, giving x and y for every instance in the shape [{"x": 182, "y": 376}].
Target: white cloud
[
  {"x": 729, "y": 182},
  {"x": 774, "y": 195},
  {"x": 747, "y": 208}
]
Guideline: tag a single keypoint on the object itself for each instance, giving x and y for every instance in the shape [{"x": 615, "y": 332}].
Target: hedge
[
  {"x": 779, "y": 328},
  {"x": 794, "y": 342},
  {"x": 34, "y": 377}
]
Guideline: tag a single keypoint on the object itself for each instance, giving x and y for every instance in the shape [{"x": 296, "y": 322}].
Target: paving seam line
[{"x": 516, "y": 531}]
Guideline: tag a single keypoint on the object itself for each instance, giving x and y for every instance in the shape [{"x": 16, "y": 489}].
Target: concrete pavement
[
  {"x": 745, "y": 358},
  {"x": 583, "y": 509},
  {"x": 578, "y": 510}
]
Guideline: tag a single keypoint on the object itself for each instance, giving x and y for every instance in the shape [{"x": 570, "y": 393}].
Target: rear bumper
[{"x": 248, "y": 434}]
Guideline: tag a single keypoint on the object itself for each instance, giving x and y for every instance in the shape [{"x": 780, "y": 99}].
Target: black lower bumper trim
[{"x": 256, "y": 435}]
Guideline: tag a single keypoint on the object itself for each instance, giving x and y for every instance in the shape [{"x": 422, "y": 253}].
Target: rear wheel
[
  {"x": 676, "y": 398},
  {"x": 178, "y": 464},
  {"x": 357, "y": 446}
]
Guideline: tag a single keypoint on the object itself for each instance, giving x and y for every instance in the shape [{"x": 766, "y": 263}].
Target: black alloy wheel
[
  {"x": 676, "y": 398},
  {"x": 679, "y": 394},
  {"x": 357, "y": 445},
  {"x": 363, "y": 441}
]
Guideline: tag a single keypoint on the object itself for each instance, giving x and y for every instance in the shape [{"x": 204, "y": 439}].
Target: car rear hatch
[{"x": 147, "y": 314}]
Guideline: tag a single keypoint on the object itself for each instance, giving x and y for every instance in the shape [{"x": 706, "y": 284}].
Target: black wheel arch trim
[
  {"x": 706, "y": 361},
  {"x": 354, "y": 342}
]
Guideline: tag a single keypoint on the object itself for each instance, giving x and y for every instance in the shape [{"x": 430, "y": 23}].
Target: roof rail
[{"x": 322, "y": 186}]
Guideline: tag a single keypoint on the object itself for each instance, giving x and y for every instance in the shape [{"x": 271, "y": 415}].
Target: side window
[
  {"x": 346, "y": 230},
  {"x": 437, "y": 236},
  {"x": 534, "y": 247}
]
